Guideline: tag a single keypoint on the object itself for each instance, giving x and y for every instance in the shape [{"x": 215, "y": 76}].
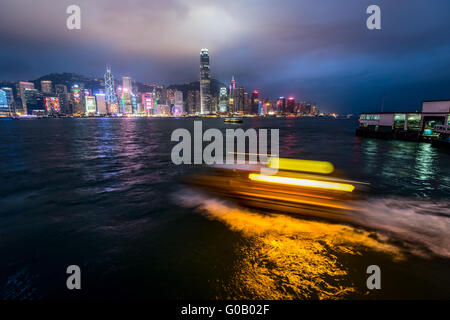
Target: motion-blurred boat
[{"x": 311, "y": 192}]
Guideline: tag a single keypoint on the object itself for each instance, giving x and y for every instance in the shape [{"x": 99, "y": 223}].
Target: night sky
[{"x": 316, "y": 50}]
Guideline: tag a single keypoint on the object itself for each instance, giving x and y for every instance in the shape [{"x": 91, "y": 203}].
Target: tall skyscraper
[
  {"x": 223, "y": 100},
  {"x": 281, "y": 105},
  {"x": 205, "y": 82},
  {"x": 126, "y": 83},
  {"x": 91, "y": 107},
  {"x": 177, "y": 109},
  {"x": 100, "y": 99},
  {"x": 4, "y": 107},
  {"x": 290, "y": 106},
  {"x": 9, "y": 98},
  {"x": 23, "y": 85},
  {"x": 34, "y": 102},
  {"x": 110, "y": 93},
  {"x": 46, "y": 86},
  {"x": 255, "y": 102},
  {"x": 52, "y": 105}
]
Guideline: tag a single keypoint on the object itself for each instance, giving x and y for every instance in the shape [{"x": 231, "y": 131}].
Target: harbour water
[{"x": 104, "y": 195}]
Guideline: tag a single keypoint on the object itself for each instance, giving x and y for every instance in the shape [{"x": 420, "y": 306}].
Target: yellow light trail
[
  {"x": 301, "y": 165},
  {"x": 302, "y": 182}
]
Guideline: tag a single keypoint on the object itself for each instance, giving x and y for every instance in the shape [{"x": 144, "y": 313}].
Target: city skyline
[{"x": 324, "y": 54}]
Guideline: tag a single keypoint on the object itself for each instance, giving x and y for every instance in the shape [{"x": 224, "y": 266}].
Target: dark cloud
[{"x": 314, "y": 50}]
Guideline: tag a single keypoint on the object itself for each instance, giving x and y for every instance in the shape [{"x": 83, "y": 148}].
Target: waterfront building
[
  {"x": 110, "y": 94},
  {"x": 205, "y": 82},
  {"x": 9, "y": 98},
  {"x": 147, "y": 102},
  {"x": 46, "y": 86},
  {"x": 64, "y": 98},
  {"x": 281, "y": 105},
  {"x": 101, "y": 103},
  {"x": 407, "y": 125},
  {"x": 34, "y": 102},
  {"x": 4, "y": 106},
  {"x": 255, "y": 103},
  {"x": 290, "y": 105},
  {"x": 91, "y": 107},
  {"x": 22, "y": 86},
  {"x": 223, "y": 100},
  {"x": 177, "y": 108},
  {"x": 52, "y": 105},
  {"x": 77, "y": 100}
]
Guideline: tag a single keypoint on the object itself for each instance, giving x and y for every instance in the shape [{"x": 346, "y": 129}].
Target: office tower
[
  {"x": 4, "y": 107},
  {"x": 239, "y": 100},
  {"x": 34, "y": 102},
  {"x": 147, "y": 102},
  {"x": 9, "y": 98},
  {"x": 232, "y": 84},
  {"x": 110, "y": 93},
  {"x": 290, "y": 106},
  {"x": 52, "y": 105},
  {"x": 46, "y": 86},
  {"x": 193, "y": 102},
  {"x": 223, "y": 100},
  {"x": 63, "y": 97},
  {"x": 255, "y": 102},
  {"x": 90, "y": 105},
  {"x": 134, "y": 106},
  {"x": 205, "y": 82},
  {"x": 23, "y": 85},
  {"x": 101, "y": 103},
  {"x": 281, "y": 105},
  {"x": 177, "y": 109},
  {"x": 155, "y": 102},
  {"x": 77, "y": 100},
  {"x": 126, "y": 83}
]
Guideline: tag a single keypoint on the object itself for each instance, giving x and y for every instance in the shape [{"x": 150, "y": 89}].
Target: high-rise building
[
  {"x": 193, "y": 102},
  {"x": 101, "y": 103},
  {"x": 64, "y": 98},
  {"x": 46, "y": 86},
  {"x": 223, "y": 100},
  {"x": 177, "y": 109},
  {"x": 23, "y": 85},
  {"x": 77, "y": 100},
  {"x": 110, "y": 93},
  {"x": 147, "y": 102},
  {"x": 52, "y": 105},
  {"x": 4, "y": 107},
  {"x": 255, "y": 102},
  {"x": 281, "y": 105},
  {"x": 290, "y": 106},
  {"x": 90, "y": 105},
  {"x": 9, "y": 98},
  {"x": 126, "y": 83},
  {"x": 205, "y": 82},
  {"x": 34, "y": 102}
]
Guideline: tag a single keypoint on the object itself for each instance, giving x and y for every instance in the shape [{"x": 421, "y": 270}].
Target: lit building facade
[
  {"x": 52, "y": 105},
  {"x": 205, "y": 82}
]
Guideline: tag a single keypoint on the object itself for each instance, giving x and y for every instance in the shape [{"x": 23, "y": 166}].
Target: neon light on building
[{"x": 52, "y": 105}]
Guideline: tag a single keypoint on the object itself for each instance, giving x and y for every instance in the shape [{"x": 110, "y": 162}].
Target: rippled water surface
[{"x": 104, "y": 195}]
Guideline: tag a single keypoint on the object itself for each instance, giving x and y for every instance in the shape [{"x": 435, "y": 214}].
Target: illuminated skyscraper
[
  {"x": 9, "y": 98},
  {"x": 281, "y": 105},
  {"x": 205, "y": 82},
  {"x": 147, "y": 102},
  {"x": 223, "y": 100},
  {"x": 23, "y": 85},
  {"x": 101, "y": 103},
  {"x": 46, "y": 86},
  {"x": 290, "y": 106},
  {"x": 4, "y": 107},
  {"x": 77, "y": 100},
  {"x": 52, "y": 105},
  {"x": 110, "y": 94},
  {"x": 90, "y": 104},
  {"x": 177, "y": 109},
  {"x": 126, "y": 83},
  {"x": 255, "y": 102}
]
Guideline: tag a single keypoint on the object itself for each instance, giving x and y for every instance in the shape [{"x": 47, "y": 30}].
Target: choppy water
[{"x": 103, "y": 194}]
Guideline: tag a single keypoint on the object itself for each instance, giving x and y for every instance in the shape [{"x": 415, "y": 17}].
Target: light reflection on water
[{"x": 290, "y": 258}]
